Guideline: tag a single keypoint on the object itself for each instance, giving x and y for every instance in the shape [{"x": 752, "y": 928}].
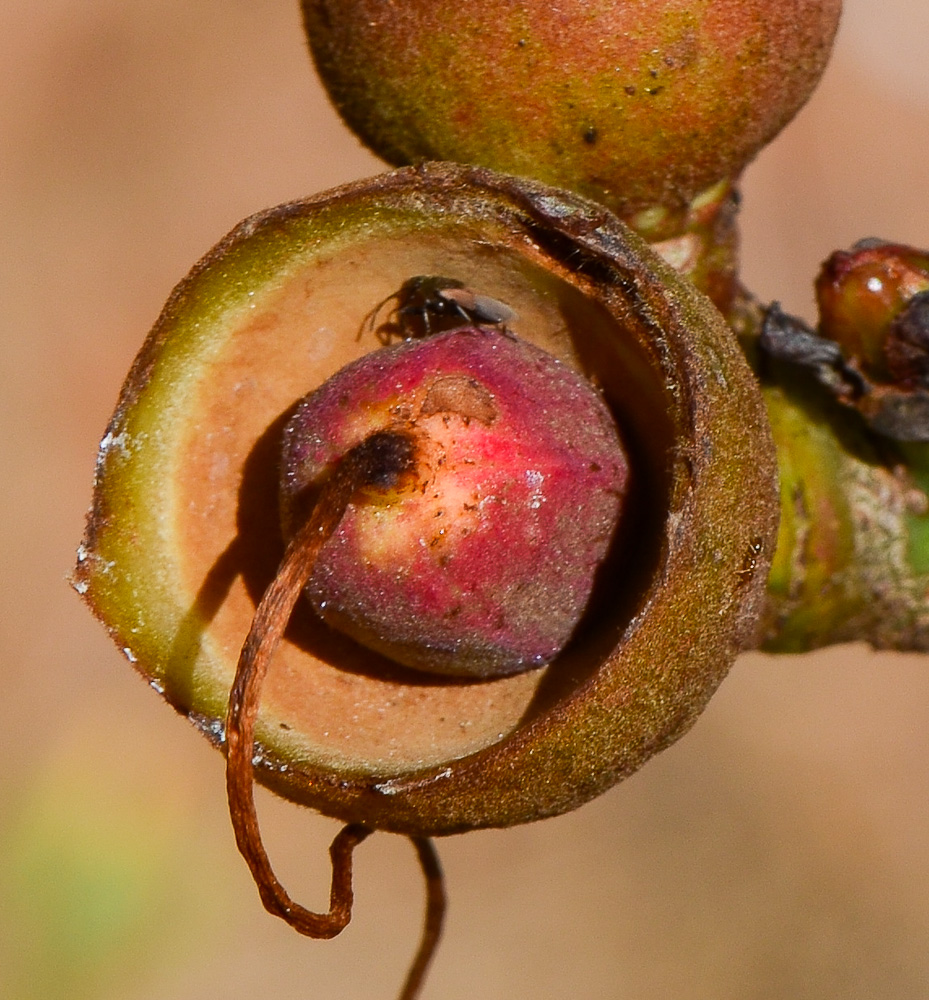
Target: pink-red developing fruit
[{"x": 477, "y": 556}]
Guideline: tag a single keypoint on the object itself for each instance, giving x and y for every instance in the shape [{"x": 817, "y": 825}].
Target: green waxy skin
[
  {"x": 184, "y": 534},
  {"x": 635, "y": 104}
]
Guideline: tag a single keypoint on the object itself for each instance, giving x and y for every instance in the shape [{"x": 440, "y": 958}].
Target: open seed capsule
[{"x": 184, "y": 534}]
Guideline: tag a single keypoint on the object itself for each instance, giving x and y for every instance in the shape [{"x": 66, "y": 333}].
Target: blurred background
[{"x": 780, "y": 850}]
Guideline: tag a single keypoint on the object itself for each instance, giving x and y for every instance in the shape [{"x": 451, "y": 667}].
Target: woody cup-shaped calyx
[
  {"x": 184, "y": 536},
  {"x": 479, "y": 556}
]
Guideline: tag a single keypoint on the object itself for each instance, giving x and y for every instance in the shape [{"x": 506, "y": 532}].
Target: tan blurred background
[{"x": 779, "y": 851}]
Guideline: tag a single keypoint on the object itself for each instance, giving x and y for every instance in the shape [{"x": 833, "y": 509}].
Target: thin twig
[{"x": 434, "y": 917}]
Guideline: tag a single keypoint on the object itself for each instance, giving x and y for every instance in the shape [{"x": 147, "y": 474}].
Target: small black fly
[{"x": 429, "y": 303}]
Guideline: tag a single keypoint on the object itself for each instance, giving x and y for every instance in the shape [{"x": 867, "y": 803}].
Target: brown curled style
[{"x": 364, "y": 467}]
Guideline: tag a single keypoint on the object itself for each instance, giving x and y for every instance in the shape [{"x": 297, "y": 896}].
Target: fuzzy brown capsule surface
[{"x": 184, "y": 536}]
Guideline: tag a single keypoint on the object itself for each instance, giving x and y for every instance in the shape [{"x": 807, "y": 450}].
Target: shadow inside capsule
[{"x": 254, "y": 554}]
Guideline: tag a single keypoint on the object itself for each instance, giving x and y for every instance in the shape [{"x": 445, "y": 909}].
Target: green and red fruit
[
  {"x": 481, "y": 560},
  {"x": 631, "y": 103}
]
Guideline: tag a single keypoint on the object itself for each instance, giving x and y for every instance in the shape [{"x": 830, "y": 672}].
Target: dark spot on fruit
[{"x": 386, "y": 457}]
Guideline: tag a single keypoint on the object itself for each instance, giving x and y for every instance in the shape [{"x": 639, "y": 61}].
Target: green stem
[
  {"x": 700, "y": 241},
  {"x": 852, "y": 557}
]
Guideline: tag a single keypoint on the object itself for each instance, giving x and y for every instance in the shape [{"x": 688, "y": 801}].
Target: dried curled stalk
[{"x": 373, "y": 464}]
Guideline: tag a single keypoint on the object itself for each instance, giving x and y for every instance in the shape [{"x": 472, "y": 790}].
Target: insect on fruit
[{"x": 430, "y": 303}]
